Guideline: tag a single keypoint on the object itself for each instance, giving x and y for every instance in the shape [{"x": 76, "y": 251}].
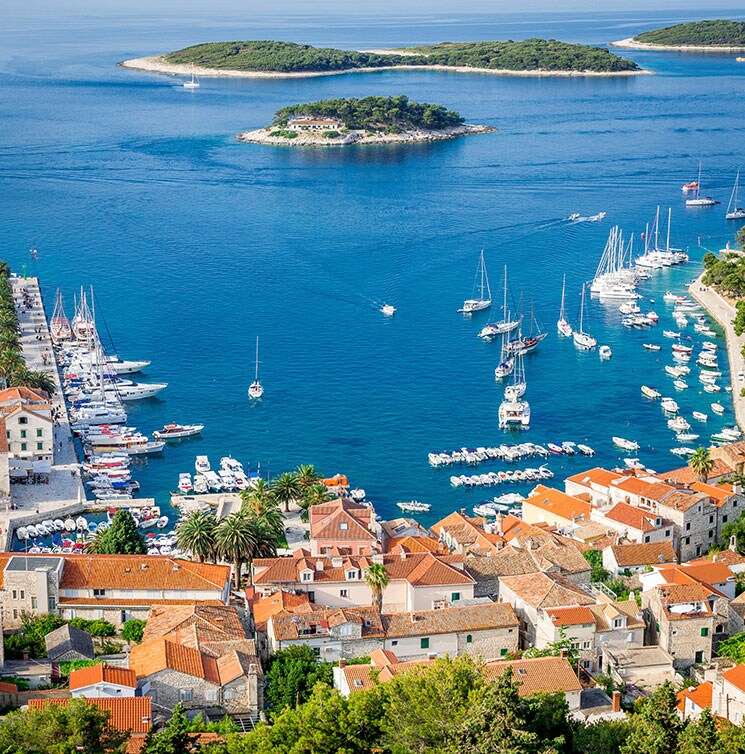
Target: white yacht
[
  {"x": 202, "y": 464},
  {"x": 177, "y": 431},
  {"x": 581, "y": 338},
  {"x": 414, "y": 506},
  {"x": 506, "y": 324},
  {"x": 388, "y": 310},
  {"x": 484, "y": 292},
  {"x": 625, "y": 444},
  {"x": 563, "y": 327},
  {"x": 698, "y": 200},
  {"x": 733, "y": 211},
  {"x": 605, "y": 352},
  {"x": 256, "y": 390},
  {"x": 194, "y": 82}
]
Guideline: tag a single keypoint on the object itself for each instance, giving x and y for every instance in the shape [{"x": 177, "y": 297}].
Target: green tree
[
  {"x": 235, "y": 537},
  {"x": 77, "y": 727},
  {"x": 121, "y": 538},
  {"x": 701, "y": 736},
  {"x": 701, "y": 463},
  {"x": 733, "y": 647},
  {"x": 258, "y": 504},
  {"x": 656, "y": 727},
  {"x": 32, "y": 378},
  {"x": 174, "y": 738},
  {"x": 196, "y": 534},
  {"x": 735, "y": 529},
  {"x": 291, "y": 675},
  {"x": 595, "y": 559},
  {"x": 31, "y": 637},
  {"x": 376, "y": 576},
  {"x": 604, "y": 737},
  {"x": 98, "y": 628},
  {"x": 286, "y": 489},
  {"x": 307, "y": 476},
  {"x": 133, "y": 629}
]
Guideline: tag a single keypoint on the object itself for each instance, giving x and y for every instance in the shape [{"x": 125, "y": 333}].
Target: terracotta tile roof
[
  {"x": 719, "y": 495},
  {"x": 570, "y": 616},
  {"x": 136, "y": 572},
  {"x": 102, "y": 673},
  {"x": 99, "y": 601},
  {"x": 631, "y": 484},
  {"x": 539, "y": 674},
  {"x": 545, "y": 590},
  {"x": 33, "y": 395},
  {"x": 127, "y": 712},
  {"x": 381, "y": 657},
  {"x": 702, "y": 572},
  {"x": 136, "y": 742},
  {"x": 279, "y": 602},
  {"x": 211, "y": 622},
  {"x": 359, "y": 677},
  {"x": 683, "y": 594},
  {"x": 648, "y": 553},
  {"x": 558, "y": 503},
  {"x": 596, "y": 476},
  {"x": 606, "y": 612},
  {"x": 321, "y": 621},
  {"x": 161, "y": 654},
  {"x": 728, "y": 557},
  {"x": 736, "y": 676},
  {"x": 683, "y": 500},
  {"x": 631, "y": 516},
  {"x": 403, "y": 526},
  {"x": 8, "y": 688},
  {"x": 467, "y": 532},
  {"x": 341, "y": 520},
  {"x": 450, "y": 620},
  {"x": 417, "y": 544},
  {"x": 700, "y": 695},
  {"x": 685, "y": 475}
]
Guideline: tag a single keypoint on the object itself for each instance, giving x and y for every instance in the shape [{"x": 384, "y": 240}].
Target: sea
[{"x": 195, "y": 244}]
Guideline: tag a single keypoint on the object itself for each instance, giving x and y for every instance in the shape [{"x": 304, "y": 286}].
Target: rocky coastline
[{"x": 632, "y": 44}]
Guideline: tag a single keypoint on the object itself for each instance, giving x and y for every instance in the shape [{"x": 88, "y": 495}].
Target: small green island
[
  {"x": 367, "y": 120},
  {"x": 287, "y": 59},
  {"x": 717, "y": 35}
]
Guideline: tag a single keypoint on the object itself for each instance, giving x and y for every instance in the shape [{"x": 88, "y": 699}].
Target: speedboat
[
  {"x": 162, "y": 522},
  {"x": 682, "y": 451},
  {"x": 717, "y": 408},
  {"x": 652, "y": 347},
  {"x": 177, "y": 431},
  {"x": 81, "y": 523},
  {"x": 585, "y": 450},
  {"x": 680, "y": 385},
  {"x": 605, "y": 352},
  {"x": 357, "y": 494},
  {"x": 200, "y": 484},
  {"x": 574, "y": 216},
  {"x": 184, "y": 483},
  {"x": 669, "y": 405},
  {"x": 414, "y": 506},
  {"x": 625, "y": 444},
  {"x": 202, "y": 464},
  {"x": 670, "y": 334},
  {"x": 687, "y": 437},
  {"x": 709, "y": 388},
  {"x": 678, "y": 424},
  {"x": 650, "y": 392},
  {"x": 700, "y": 416},
  {"x": 70, "y": 524},
  {"x": 388, "y": 310}
]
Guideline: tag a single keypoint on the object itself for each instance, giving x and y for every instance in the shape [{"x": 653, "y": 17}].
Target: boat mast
[
  {"x": 669, "y": 220},
  {"x": 698, "y": 186},
  {"x": 484, "y": 277},
  {"x": 733, "y": 198},
  {"x": 657, "y": 229},
  {"x": 257, "y": 359},
  {"x": 582, "y": 309},
  {"x": 505, "y": 315},
  {"x": 563, "y": 287}
]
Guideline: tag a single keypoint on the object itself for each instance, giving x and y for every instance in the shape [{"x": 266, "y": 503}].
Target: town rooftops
[
  {"x": 466, "y": 532},
  {"x": 703, "y": 572},
  {"x": 557, "y": 503},
  {"x": 700, "y": 695},
  {"x": 403, "y": 526},
  {"x": 685, "y": 475},
  {"x": 594, "y": 477},
  {"x": 128, "y": 713},
  {"x": 735, "y": 676},
  {"x": 571, "y": 616},
  {"x": 212, "y": 622},
  {"x": 24, "y": 394},
  {"x": 280, "y": 602},
  {"x": 342, "y": 520},
  {"x": 546, "y": 675},
  {"x": 545, "y": 590},
  {"x": 102, "y": 673},
  {"x": 648, "y": 553},
  {"x": 450, "y": 620},
  {"x": 633, "y": 517},
  {"x": 416, "y": 544},
  {"x": 321, "y": 622},
  {"x": 683, "y": 601}
]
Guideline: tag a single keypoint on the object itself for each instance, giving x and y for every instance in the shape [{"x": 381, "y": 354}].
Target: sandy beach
[
  {"x": 632, "y": 44},
  {"x": 723, "y": 312},
  {"x": 157, "y": 64},
  {"x": 312, "y": 139}
]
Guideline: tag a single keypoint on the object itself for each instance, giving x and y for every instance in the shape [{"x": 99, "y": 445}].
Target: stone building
[
  {"x": 28, "y": 423},
  {"x": 69, "y": 643}
]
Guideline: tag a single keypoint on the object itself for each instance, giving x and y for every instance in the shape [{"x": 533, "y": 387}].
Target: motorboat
[
  {"x": 717, "y": 408},
  {"x": 680, "y": 385},
  {"x": 678, "y": 424},
  {"x": 22, "y": 533},
  {"x": 483, "y": 301},
  {"x": 671, "y": 334},
  {"x": 256, "y": 389},
  {"x": 200, "y": 484},
  {"x": 669, "y": 405},
  {"x": 698, "y": 415},
  {"x": 625, "y": 444},
  {"x": 682, "y": 451},
  {"x": 414, "y": 506},
  {"x": 59, "y": 524},
  {"x": 388, "y": 310},
  {"x": 586, "y": 450},
  {"x": 70, "y": 524},
  {"x": 202, "y": 464},
  {"x": 687, "y": 437},
  {"x": 357, "y": 494},
  {"x": 81, "y": 523},
  {"x": 184, "y": 482},
  {"x": 574, "y": 216},
  {"x": 605, "y": 352},
  {"x": 692, "y": 186},
  {"x": 162, "y": 522},
  {"x": 650, "y": 392},
  {"x": 177, "y": 431},
  {"x": 674, "y": 371},
  {"x": 680, "y": 348},
  {"x": 709, "y": 388},
  {"x": 652, "y": 347}
]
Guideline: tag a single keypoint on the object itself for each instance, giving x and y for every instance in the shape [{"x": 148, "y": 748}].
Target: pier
[{"x": 724, "y": 312}]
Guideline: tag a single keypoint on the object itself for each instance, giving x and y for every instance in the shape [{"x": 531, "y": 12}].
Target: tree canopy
[
  {"x": 718, "y": 32},
  {"x": 292, "y": 674},
  {"x": 288, "y": 57},
  {"x": 121, "y": 538}
]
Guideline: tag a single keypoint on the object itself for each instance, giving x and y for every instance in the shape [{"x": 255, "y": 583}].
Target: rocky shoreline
[
  {"x": 632, "y": 44},
  {"x": 314, "y": 139},
  {"x": 157, "y": 64}
]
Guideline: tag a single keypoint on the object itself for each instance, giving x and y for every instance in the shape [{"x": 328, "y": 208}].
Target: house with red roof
[
  {"x": 635, "y": 524},
  {"x": 555, "y": 508},
  {"x": 103, "y": 681},
  {"x": 29, "y": 431},
  {"x": 591, "y": 485},
  {"x": 130, "y": 713},
  {"x": 723, "y": 690},
  {"x": 343, "y": 526}
]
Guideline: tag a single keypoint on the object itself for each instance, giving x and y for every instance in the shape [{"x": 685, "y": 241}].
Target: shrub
[{"x": 133, "y": 629}]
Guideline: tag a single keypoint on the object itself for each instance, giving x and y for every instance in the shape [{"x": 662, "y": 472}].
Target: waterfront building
[
  {"x": 29, "y": 428},
  {"x": 635, "y": 524},
  {"x": 343, "y": 526},
  {"x": 555, "y": 508},
  {"x": 314, "y": 123}
]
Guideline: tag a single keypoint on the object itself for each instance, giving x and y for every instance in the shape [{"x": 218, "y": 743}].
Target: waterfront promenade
[
  {"x": 65, "y": 486},
  {"x": 723, "y": 312}
]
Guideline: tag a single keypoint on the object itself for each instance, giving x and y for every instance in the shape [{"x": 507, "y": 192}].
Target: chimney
[
  {"x": 431, "y": 655},
  {"x": 378, "y": 558},
  {"x": 462, "y": 511},
  {"x": 564, "y": 654},
  {"x": 342, "y": 663},
  {"x": 733, "y": 543},
  {"x": 403, "y": 554},
  {"x": 319, "y": 564},
  {"x": 498, "y": 523},
  {"x": 616, "y": 701}
]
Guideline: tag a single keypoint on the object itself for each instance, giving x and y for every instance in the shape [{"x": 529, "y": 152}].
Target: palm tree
[
  {"x": 196, "y": 534},
  {"x": 235, "y": 537},
  {"x": 315, "y": 495},
  {"x": 286, "y": 488},
  {"x": 264, "y": 543},
  {"x": 259, "y": 504},
  {"x": 307, "y": 476},
  {"x": 701, "y": 463},
  {"x": 31, "y": 378},
  {"x": 377, "y": 579}
]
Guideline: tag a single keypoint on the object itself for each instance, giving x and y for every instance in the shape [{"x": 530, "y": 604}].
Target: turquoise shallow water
[{"x": 196, "y": 243}]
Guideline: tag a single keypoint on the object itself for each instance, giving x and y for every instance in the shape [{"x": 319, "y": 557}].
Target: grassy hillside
[
  {"x": 287, "y": 57},
  {"x": 700, "y": 34}
]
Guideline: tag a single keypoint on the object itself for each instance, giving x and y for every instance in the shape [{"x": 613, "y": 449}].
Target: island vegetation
[
  {"x": 715, "y": 33},
  {"x": 288, "y": 57}
]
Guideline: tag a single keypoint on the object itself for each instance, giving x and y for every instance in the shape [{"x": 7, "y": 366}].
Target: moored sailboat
[
  {"x": 563, "y": 327},
  {"x": 484, "y": 292},
  {"x": 581, "y": 338},
  {"x": 733, "y": 211},
  {"x": 698, "y": 200},
  {"x": 256, "y": 390},
  {"x": 59, "y": 325}
]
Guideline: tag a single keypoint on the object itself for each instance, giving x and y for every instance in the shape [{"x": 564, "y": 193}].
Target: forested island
[
  {"x": 287, "y": 59},
  {"x": 718, "y": 34},
  {"x": 368, "y": 120}
]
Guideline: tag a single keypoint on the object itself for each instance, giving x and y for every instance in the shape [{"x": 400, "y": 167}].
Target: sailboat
[
  {"x": 484, "y": 300},
  {"x": 733, "y": 211},
  {"x": 698, "y": 200},
  {"x": 513, "y": 410},
  {"x": 581, "y": 338},
  {"x": 526, "y": 344},
  {"x": 255, "y": 390},
  {"x": 59, "y": 325},
  {"x": 562, "y": 325},
  {"x": 506, "y": 324},
  {"x": 194, "y": 83}
]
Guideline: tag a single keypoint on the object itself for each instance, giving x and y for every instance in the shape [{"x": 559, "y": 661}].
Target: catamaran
[
  {"x": 59, "y": 325},
  {"x": 256, "y": 390},
  {"x": 581, "y": 338},
  {"x": 484, "y": 300},
  {"x": 562, "y": 325},
  {"x": 733, "y": 211},
  {"x": 194, "y": 83},
  {"x": 506, "y": 324},
  {"x": 698, "y": 200}
]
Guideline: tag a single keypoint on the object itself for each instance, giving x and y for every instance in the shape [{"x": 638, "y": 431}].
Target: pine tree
[{"x": 121, "y": 538}]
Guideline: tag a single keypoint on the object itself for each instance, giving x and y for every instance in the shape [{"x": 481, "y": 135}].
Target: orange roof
[
  {"x": 281, "y": 601},
  {"x": 719, "y": 495},
  {"x": 212, "y": 622},
  {"x": 417, "y": 544},
  {"x": 685, "y": 475},
  {"x": 131, "y": 713},
  {"x": 648, "y": 553},
  {"x": 34, "y": 395},
  {"x": 700, "y": 695},
  {"x": 341, "y": 520},
  {"x": 161, "y": 654},
  {"x": 381, "y": 657},
  {"x": 701, "y": 572},
  {"x": 8, "y": 688},
  {"x": 570, "y": 616},
  {"x": 537, "y": 675},
  {"x": 596, "y": 476},
  {"x": 631, "y": 516},
  {"x": 102, "y": 673},
  {"x": 359, "y": 677},
  {"x": 467, "y": 532},
  {"x": 735, "y": 676},
  {"x": 631, "y": 484},
  {"x": 559, "y": 504},
  {"x": 546, "y": 590}
]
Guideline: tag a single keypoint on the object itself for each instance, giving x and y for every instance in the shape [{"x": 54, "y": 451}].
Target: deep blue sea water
[{"x": 195, "y": 243}]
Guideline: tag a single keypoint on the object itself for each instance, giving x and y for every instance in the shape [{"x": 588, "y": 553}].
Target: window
[
  {"x": 351, "y": 575},
  {"x": 704, "y": 631},
  {"x": 358, "y": 682},
  {"x": 699, "y": 657},
  {"x": 33, "y": 603},
  {"x": 424, "y": 643},
  {"x": 306, "y": 576},
  {"x": 724, "y": 518},
  {"x": 40, "y": 433},
  {"x": 15, "y": 615},
  {"x": 343, "y": 526},
  {"x": 394, "y": 643},
  {"x": 23, "y": 434},
  {"x": 688, "y": 540},
  {"x": 211, "y": 695},
  {"x": 23, "y": 420},
  {"x": 586, "y": 664},
  {"x": 688, "y": 526},
  {"x": 22, "y": 594},
  {"x": 667, "y": 532},
  {"x": 99, "y": 592},
  {"x": 311, "y": 596},
  {"x": 618, "y": 623},
  {"x": 343, "y": 593},
  {"x": 503, "y": 651},
  {"x": 646, "y": 539},
  {"x": 711, "y": 519},
  {"x": 15, "y": 594},
  {"x": 585, "y": 645},
  {"x": 469, "y": 639},
  {"x": 24, "y": 446},
  {"x": 40, "y": 446},
  {"x": 711, "y": 534},
  {"x": 455, "y": 596},
  {"x": 184, "y": 695}
]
